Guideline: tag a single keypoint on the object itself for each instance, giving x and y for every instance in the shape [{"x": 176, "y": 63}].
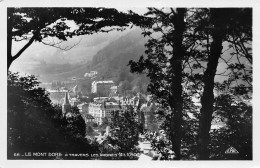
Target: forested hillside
[{"x": 110, "y": 63}]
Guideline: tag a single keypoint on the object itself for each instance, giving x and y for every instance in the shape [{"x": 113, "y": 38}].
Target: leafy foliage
[
  {"x": 51, "y": 26},
  {"x": 237, "y": 132},
  {"x": 35, "y": 125},
  {"x": 164, "y": 65},
  {"x": 203, "y": 40},
  {"x": 160, "y": 141},
  {"x": 124, "y": 134},
  {"x": 53, "y": 22}
]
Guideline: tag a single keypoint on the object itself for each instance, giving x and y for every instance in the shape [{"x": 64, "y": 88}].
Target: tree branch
[
  {"x": 24, "y": 48},
  {"x": 56, "y": 45}
]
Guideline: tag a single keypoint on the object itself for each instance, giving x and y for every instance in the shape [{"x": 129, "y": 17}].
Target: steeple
[
  {"x": 66, "y": 105},
  {"x": 66, "y": 99}
]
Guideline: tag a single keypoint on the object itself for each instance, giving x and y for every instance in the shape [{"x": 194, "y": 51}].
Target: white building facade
[{"x": 101, "y": 86}]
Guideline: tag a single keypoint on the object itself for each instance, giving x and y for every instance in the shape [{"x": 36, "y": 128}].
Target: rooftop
[
  {"x": 99, "y": 82},
  {"x": 113, "y": 87}
]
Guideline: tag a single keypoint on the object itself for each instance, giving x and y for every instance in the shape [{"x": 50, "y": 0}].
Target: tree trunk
[
  {"x": 10, "y": 57},
  {"x": 9, "y": 61},
  {"x": 176, "y": 100},
  {"x": 10, "y": 12},
  {"x": 207, "y": 98}
]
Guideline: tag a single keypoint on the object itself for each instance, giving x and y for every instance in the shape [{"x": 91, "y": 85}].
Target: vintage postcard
[{"x": 109, "y": 83}]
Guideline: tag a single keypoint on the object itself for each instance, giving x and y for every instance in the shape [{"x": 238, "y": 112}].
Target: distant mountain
[
  {"x": 63, "y": 72},
  {"x": 113, "y": 58},
  {"x": 111, "y": 62},
  {"x": 106, "y": 53},
  {"x": 37, "y": 56},
  {"x": 108, "y": 61}
]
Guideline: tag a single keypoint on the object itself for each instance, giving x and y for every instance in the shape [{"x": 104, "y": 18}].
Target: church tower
[{"x": 66, "y": 105}]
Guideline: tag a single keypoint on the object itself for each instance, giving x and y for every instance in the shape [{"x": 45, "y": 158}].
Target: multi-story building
[
  {"x": 84, "y": 111},
  {"x": 97, "y": 111},
  {"x": 87, "y": 117},
  {"x": 83, "y": 107},
  {"x": 101, "y": 110},
  {"x": 102, "y": 88},
  {"x": 110, "y": 107},
  {"x": 103, "y": 107}
]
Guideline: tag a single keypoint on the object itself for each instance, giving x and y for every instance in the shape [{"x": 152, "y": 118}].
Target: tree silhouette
[
  {"x": 164, "y": 66},
  {"x": 222, "y": 23},
  {"x": 236, "y": 115},
  {"x": 202, "y": 46},
  {"x": 124, "y": 133},
  {"x": 35, "y": 125}
]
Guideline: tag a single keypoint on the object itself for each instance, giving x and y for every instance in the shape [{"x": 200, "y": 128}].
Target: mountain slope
[
  {"x": 110, "y": 62},
  {"x": 113, "y": 59}
]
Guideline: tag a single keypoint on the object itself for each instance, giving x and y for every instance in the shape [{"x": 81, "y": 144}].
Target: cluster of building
[
  {"x": 107, "y": 102},
  {"x": 102, "y": 108},
  {"x": 104, "y": 88},
  {"x": 91, "y": 74}
]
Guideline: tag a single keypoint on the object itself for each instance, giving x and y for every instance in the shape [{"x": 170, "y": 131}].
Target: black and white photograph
[{"x": 149, "y": 83}]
